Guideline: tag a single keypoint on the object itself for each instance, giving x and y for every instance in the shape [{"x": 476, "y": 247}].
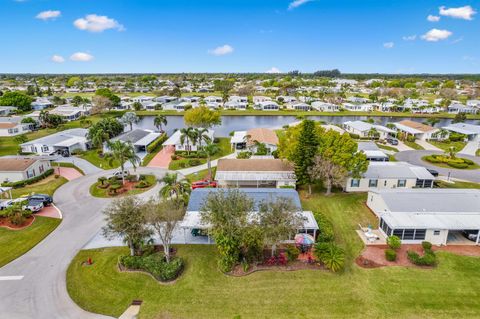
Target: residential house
[
  {"x": 63, "y": 142},
  {"x": 456, "y": 108},
  {"x": 365, "y": 130},
  {"x": 372, "y": 152},
  {"x": 325, "y": 107},
  {"x": 385, "y": 175},
  {"x": 11, "y": 126},
  {"x": 439, "y": 216},
  {"x": 41, "y": 103},
  {"x": 420, "y": 131},
  {"x": 286, "y": 99},
  {"x": 258, "y": 99},
  {"x": 175, "y": 141},
  {"x": 470, "y": 130},
  {"x": 139, "y": 138},
  {"x": 255, "y": 173},
  {"x": 298, "y": 106},
  {"x": 249, "y": 140},
  {"x": 235, "y": 105},
  {"x": 70, "y": 112},
  {"x": 357, "y": 107},
  {"x": 213, "y": 99},
  {"x": 267, "y": 106},
  {"x": 14, "y": 169},
  {"x": 7, "y": 110},
  {"x": 192, "y": 219}
]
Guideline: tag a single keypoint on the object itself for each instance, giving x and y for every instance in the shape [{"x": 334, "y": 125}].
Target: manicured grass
[
  {"x": 46, "y": 186},
  {"x": 150, "y": 156},
  {"x": 14, "y": 243},
  {"x": 446, "y": 145},
  {"x": 387, "y": 147},
  {"x": 203, "y": 292},
  {"x": 200, "y": 175},
  {"x": 103, "y": 192},
  {"x": 477, "y": 153},
  {"x": 184, "y": 163},
  {"x": 445, "y": 165},
  {"x": 102, "y": 162},
  {"x": 413, "y": 145},
  {"x": 456, "y": 184}
]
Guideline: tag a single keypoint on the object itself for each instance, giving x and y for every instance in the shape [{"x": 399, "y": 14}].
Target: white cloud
[
  {"x": 465, "y": 13},
  {"x": 435, "y": 35},
  {"x": 81, "y": 57},
  {"x": 221, "y": 50},
  {"x": 273, "y": 70},
  {"x": 412, "y": 37},
  {"x": 297, "y": 3},
  {"x": 96, "y": 23},
  {"x": 433, "y": 18},
  {"x": 57, "y": 58},
  {"x": 48, "y": 15},
  {"x": 388, "y": 45}
]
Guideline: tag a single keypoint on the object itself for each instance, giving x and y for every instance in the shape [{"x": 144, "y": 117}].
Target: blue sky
[{"x": 108, "y": 36}]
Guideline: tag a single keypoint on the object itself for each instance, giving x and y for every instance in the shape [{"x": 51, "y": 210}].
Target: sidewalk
[
  {"x": 87, "y": 167},
  {"x": 69, "y": 173},
  {"x": 427, "y": 146},
  {"x": 402, "y": 147},
  {"x": 470, "y": 149}
]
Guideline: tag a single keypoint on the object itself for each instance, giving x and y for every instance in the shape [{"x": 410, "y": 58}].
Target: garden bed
[
  {"x": 374, "y": 257},
  {"x": 153, "y": 265},
  {"x": 6, "y": 223},
  {"x": 130, "y": 187},
  {"x": 449, "y": 162},
  {"x": 238, "y": 270}
]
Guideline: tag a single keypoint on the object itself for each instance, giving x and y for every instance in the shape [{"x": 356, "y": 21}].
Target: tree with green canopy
[
  {"x": 122, "y": 152},
  {"x": 202, "y": 116}
]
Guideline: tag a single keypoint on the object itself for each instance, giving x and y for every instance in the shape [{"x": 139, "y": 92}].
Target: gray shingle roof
[{"x": 131, "y": 136}]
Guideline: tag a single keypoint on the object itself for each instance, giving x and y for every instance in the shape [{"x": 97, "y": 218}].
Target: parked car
[
  {"x": 33, "y": 205},
  {"x": 45, "y": 199},
  {"x": 470, "y": 235},
  {"x": 433, "y": 172},
  {"x": 392, "y": 141},
  {"x": 6, "y": 203},
  {"x": 118, "y": 174},
  {"x": 204, "y": 184}
]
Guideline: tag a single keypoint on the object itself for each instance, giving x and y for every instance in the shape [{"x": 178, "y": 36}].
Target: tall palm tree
[
  {"x": 188, "y": 136},
  {"x": 99, "y": 136},
  {"x": 202, "y": 136},
  {"x": 160, "y": 120},
  {"x": 210, "y": 149},
  {"x": 122, "y": 152},
  {"x": 175, "y": 188}
]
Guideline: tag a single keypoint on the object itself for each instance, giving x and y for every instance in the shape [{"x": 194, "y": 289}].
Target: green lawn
[
  {"x": 477, "y": 153},
  {"x": 413, "y": 145},
  {"x": 46, "y": 186},
  {"x": 203, "y": 292},
  {"x": 101, "y": 192},
  {"x": 102, "y": 162},
  {"x": 14, "y": 243},
  {"x": 387, "y": 147},
  {"x": 457, "y": 184},
  {"x": 200, "y": 175},
  {"x": 447, "y": 145}
]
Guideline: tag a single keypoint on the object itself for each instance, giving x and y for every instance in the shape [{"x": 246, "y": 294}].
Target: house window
[
  {"x": 420, "y": 234},
  {"x": 436, "y": 233},
  {"x": 355, "y": 182},
  {"x": 41, "y": 169},
  {"x": 401, "y": 183},
  {"x": 385, "y": 183},
  {"x": 44, "y": 148},
  {"x": 373, "y": 183}
]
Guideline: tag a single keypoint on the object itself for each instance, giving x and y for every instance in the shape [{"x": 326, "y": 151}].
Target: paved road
[
  {"x": 84, "y": 165},
  {"x": 427, "y": 146},
  {"x": 42, "y": 293},
  {"x": 415, "y": 157}
]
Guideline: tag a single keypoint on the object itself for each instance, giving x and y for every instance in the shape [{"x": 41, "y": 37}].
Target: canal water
[{"x": 243, "y": 123}]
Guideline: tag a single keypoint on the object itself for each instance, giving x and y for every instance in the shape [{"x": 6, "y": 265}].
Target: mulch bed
[
  {"x": 5, "y": 223},
  {"x": 374, "y": 256},
  {"x": 291, "y": 266}
]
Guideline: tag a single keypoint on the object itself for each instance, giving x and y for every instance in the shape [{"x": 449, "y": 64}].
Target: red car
[{"x": 204, "y": 184}]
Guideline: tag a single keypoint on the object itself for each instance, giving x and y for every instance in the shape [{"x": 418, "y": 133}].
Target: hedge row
[
  {"x": 154, "y": 264},
  {"x": 155, "y": 145},
  {"x": 29, "y": 181},
  {"x": 325, "y": 226},
  {"x": 452, "y": 162}
]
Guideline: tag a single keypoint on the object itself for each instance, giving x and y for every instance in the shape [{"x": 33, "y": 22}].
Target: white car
[
  {"x": 33, "y": 206},
  {"x": 118, "y": 174}
]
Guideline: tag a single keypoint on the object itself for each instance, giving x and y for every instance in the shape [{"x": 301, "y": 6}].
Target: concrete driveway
[
  {"x": 415, "y": 157},
  {"x": 41, "y": 293}
]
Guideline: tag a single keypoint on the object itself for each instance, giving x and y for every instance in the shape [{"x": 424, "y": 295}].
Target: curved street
[
  {"x": 415, "y": 158},
  {"x": 42, "y": 293}
]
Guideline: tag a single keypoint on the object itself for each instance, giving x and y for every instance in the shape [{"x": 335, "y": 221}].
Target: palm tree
[
  {"x": 210, "y": 149},
  {"x": 160, "y": 120},
  {"x": 122, "y": 152},
  {"x": 373, "y": 133},
  {"x": 129, "y": 118},
  {"x": 175, "y": 188},
  {"x": 99, "y": 136},
  {"x": 202, "y": 136},
  {"x": 432, "y": 121},
  {"x": 187, "y": 136}
]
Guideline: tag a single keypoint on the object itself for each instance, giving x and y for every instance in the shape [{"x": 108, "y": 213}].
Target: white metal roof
[
  {"x": 383, "y": 170},
  {"x": 464, "y": 128},
  {"x": 238, "y": 137}
]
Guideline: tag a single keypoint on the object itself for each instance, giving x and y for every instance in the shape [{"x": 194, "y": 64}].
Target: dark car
[
  {"x": 392, "y": 141},
  {"x": 45, "y": 199},
  {"x": 433, "y": 172},
  {"x": 470, "y": 234}
]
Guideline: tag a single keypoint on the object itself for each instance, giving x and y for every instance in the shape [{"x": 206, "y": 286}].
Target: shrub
[
  {"x": 468, "y": 161},
  {"x": 102, "y": 179},
  {"x": 154, "y": 264},
  {"x": 29, "y": 181},
  {"x": 174, "y": 157},
  {"x": 325, "y": 228},
  {"x": 426, "y": 245},
  {"x": 428, "y": 259},
  {"x": 354, "y": 136},
  {"x": 394, "y": 242},
  {"x": 457, "y": 165},
  {"x": 142, "y": 184},
  {"x": 244, "y": 155},
  {"x": 142, "y": 177},
  {"x": 182, "y": 164},
  {"x": 454, "y": 137},
  {"x": 411, "y": 138},
  {"x": 18, "y": 217},
  {"x": 292, "y": 252},
  {"x": 194, "y": 162},
  {"x": 131, "y": 178},
  {"x": 390, "y": 255},
  {"x": 156, "y": 145},
  {"x": 115, "y": 187},
  {"x": 332, "y": 256}
]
